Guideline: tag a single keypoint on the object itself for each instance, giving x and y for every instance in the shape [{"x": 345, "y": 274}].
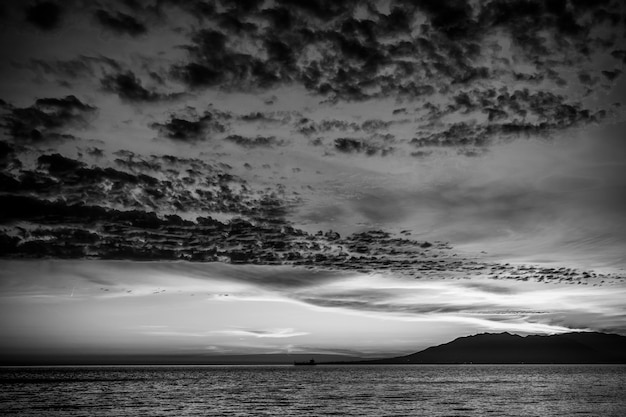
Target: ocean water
[{"x": 394, "y": 390}]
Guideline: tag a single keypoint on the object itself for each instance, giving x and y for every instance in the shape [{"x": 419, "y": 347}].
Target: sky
[{"x": 362, "y": 178}]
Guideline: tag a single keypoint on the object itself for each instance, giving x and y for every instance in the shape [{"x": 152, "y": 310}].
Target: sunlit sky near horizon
[
  {"x": 105, "y": 307},
  {"x": 361, "y": 178}
]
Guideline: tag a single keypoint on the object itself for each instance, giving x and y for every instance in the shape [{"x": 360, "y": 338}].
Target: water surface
[{"x": 393, "y": 390}]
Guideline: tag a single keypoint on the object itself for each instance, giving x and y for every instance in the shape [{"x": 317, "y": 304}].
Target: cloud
[
  {"x": 350, "y": 145},
  {"x": 281, "y": 279},
  {"x": 8, "y": 157},
  {"x": 120, "y": 23},
  {"x": 46, "y": 15},
  {"x": 57, "y": 163},
  {"x": 80, "y": 67},
  {"x": 530, "y": 305},
  {"x": 391, "y": 127},
  {"x": 554, "y": 16},
  {"x": 128, "y": 87},
  {"x": 48, "y": 118},
  {"x": 129, "y": 207},
  {"x": 612, "y": 75},
  {"x": 320, "y": 9},
  {"x": 461, "y": 209},
  {"x": 215, "y": 62},
  {"x": 255, "y": 142},
  {"x": 56, "y": 228},
  {"x": 198, "y": 128},
  {"x": 181, "y": 129},
  {"x": 452, "y": 18},
  {"x": 489, "y": 288},
  {"x": 262, "y": 334},
  {"x": 511, "y": 115},
  {"x": 310, "y": 127},
  {"x": 466, "y": 95},
  {"x": 525, "y": 307},
  {"x": 197, "y": 75},
  {"x": 142, "y": 235},
  {"x": 369, "y": 56},
  {"x": 325, "y": 306}
]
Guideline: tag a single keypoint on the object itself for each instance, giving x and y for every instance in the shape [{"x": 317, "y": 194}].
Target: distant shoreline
[
  {"x": 578, "y": 348},
  {"x": 286, "y": 365}
]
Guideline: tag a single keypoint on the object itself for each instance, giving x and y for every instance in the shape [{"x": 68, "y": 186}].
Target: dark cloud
[
  {"x": 280, "y": 18},
  {"x": 5, "y": 150},
  {"x": 61, "y": 228},
  {"x": 375, "y": 125},
  {"x": 245, "y": 5},
  {"x": 57, "y": 163},
  {"x": 458, "y": 134},
  {"x": 450, "y": 17},
  {"x": 119, "y": 234},
  {"x": 8, "y": 156},
  {"x": 586, "y": 78},
  {"x": 351, "y": 145},
  {"x": 310, "y": 127},
  {"x": 71, "y": 68},
  {"x": 506, "y": 114},
  {"x": 210, "y": 40},
  {"x": 231, "y": 23},
  {"x": 431, "y": 56},
  {"x": 199, "y": 8},
  {"x": 198, "y": 75},
  {"x": 612, "y": 75},
  {"x": 199, "y": 128},
  {"x": 155, "y": 183},
  {"x": 78, "y": 183},
  {"x": 181, "y": 129},
  {"x": 128, "y": 87},
  {"x": 254, "y": 142},
  {"x": 370, "y": 60},
  {"x": 96, "y": 152},
  {"x": 80, "y": 67},
  {"x": 136, "y": 234},
  {"x": 619, "y": 54},
  {"x": 421, "y": 154},
  {"x": 214, "y": 62},
  {"x": 46, "y": 15},
  {"x": 321, "y": 9},
  {"x": 120, "y": 23},
  {"x": 514, "y": 13},
  {"x": 263, "y": 117},
  {"x": 47, "y": 118}
]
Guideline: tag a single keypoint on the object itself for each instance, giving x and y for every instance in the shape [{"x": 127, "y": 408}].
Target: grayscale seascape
[
  {"x": 312, "y": 208},
  {"x": 388, "y": 390}
]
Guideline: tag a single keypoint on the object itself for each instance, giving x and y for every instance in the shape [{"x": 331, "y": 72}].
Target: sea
[{"x": 322, "y": 390}]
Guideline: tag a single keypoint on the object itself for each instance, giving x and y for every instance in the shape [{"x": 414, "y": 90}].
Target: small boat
[{"x": 309, "y": 363}]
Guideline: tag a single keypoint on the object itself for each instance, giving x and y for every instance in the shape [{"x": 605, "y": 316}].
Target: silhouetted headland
[{"x": 506, "y": 348}]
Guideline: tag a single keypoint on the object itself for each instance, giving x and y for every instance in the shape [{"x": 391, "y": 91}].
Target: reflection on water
[{"x": 394, "y": 390}]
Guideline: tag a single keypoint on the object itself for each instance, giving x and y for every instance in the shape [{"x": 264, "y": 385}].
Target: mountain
[{"x": 493, "y": 348}]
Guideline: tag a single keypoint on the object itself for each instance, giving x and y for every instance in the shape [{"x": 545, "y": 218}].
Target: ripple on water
[{"x": 549, "y": 390}]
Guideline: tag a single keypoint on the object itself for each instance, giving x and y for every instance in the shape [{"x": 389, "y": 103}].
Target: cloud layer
[
  {"x": 120, "y": 308},
  {"x": 477, "y": 144}
]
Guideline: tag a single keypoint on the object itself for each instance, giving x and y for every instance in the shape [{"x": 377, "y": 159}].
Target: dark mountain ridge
[{"x": 502, "y": 348}]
